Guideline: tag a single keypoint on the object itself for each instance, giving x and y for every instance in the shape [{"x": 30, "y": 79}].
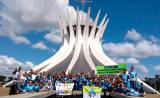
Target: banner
[
  {"x": 91, "y": 92},
  {"x": 64, "y": 88},
  {"x": 102, "y": 70}
]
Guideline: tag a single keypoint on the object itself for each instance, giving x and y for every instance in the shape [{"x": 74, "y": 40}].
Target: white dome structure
[{"x": 81, "y": 48}]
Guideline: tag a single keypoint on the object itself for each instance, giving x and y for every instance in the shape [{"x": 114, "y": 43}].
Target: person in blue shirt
[
  {"x": 29, "y": 87},
  {"x": 88, "y": 82},
  {"x": 20, "y": 86},
  {"x": 123, "y": 89},
  {"x": 109, "y": 86},
  {"x": 28, "y": 77},
  {"x": 125, "y": 78},
  {"x": 77, "y": 83},
  {"x": 37, "y": 87},
  {"x": 102, "y": 84},
  {"x": 133, "y": 78}
]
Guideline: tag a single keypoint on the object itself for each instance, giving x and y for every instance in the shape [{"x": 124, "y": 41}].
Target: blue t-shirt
[
  {"x": 36, "y": 88},
  {"x": 125, "y": 77},
  {"x": 20, "y": 86},
  {"x": 29, "y": 88},
  {"x": 28, "y": 78},
  {"x": 105, "y": 85},
  {"x": 89, "y": 83},
  {"x": 133, "y": 74}
]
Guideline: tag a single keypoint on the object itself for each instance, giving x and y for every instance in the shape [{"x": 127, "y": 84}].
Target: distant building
[
  {"x": 157, "y": 76},
  {"x": 150, "y": 80},
  {"x": 153, "y": 82}
]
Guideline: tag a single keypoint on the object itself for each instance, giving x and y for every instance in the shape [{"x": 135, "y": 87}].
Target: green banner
[{"x": 102, "y": 70}]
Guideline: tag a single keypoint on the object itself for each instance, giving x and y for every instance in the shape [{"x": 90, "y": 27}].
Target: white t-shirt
[
  {"x": 16, "y": 75},
  {"x": 34, "y": 76}
]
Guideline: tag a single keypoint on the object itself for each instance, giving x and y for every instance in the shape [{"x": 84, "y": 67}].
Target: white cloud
[
  {"x": 126, "y": 60},
  {"x": 8, "y": 64},
  {"x": 157, "y": 68},
  {"x": 120, "y": 60},
  {"x": 30, "y": 64},
  {"x": 142, "y": 68},
  {"x": 134, "y": 62},
  {"x": 54, "y": 37},
  {"x": 132, "y": 52},
  {"x": 120, "y": 49},
  {"x": 21, "y": 16},
  {"x": 20, "y": 40},
  {"x": 134, "y": 35},
  {"x": 40, "y": 45},
  {"x": 142, "y": 49},
  {"x": 154, "y": 39}
]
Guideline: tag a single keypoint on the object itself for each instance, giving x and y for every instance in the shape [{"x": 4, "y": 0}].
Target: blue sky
[{"x": 25, "y": 32}]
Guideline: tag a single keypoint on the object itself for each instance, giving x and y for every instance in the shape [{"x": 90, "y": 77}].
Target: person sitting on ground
[
  {"x": 29, "y": 87},
  {"x": 47, "y": 86},
  {"x": 123, "y": 89},
  {"x": 50, "y": 86},
  {"x": 141, "y": 89},
  {"x": 20, "y": 86},
  {"x": 37, "y": 86}
]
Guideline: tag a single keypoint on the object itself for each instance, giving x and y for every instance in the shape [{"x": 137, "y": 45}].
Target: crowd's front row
[{"x": 125, "y": 83}]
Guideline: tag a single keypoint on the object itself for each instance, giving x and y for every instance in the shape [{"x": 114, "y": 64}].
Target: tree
[
  {"x": 10, "y": 79},
  {"x": 2, "y": 78}
]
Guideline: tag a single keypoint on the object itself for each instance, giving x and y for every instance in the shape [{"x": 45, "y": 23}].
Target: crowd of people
[{"x": 125, "y": 83}]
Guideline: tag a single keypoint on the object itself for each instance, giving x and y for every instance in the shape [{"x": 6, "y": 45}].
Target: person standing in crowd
[
  {"x": 93, "y": 73},
  {"x": 125, "y": 78},
  {"x": 133, "y": 77},
  {"x": 33, "y": 76},
  {"x": 39, "y": 77},
  {"x": 37, "y": 86},
  {"x": 21, "y": 73},
  {"x": 14, "y": 72},
  {"x": 17, "y": 75}
]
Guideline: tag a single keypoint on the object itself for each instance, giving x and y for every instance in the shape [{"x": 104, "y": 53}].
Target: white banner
[{"x": 64, "y": 88}]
